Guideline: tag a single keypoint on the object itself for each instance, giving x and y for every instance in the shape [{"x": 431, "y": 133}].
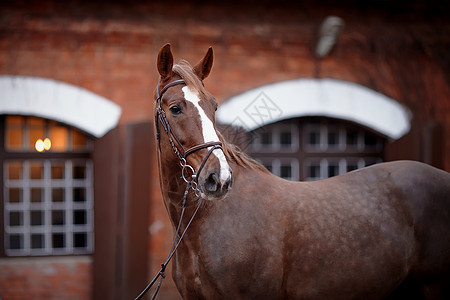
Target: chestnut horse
[{"x": 354, "y": 236}]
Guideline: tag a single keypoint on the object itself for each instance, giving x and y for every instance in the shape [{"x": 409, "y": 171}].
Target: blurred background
[{"x": 312, "y": 89}]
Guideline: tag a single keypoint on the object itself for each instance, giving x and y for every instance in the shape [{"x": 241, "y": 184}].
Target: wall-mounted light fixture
[{"x": 329, "y": 32}]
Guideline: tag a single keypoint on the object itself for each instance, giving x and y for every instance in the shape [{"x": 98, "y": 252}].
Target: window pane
[
  {"x": 15, "y": 241},
  {"x": 286, "y": 138},
  {"x": 333, "y": 138},
  {"x": 266, "y": 138},
  {"x": 58, "y": 240},
  {"x": 14, "y": 121},
  {"x": 35, "y": 133},
  {"x": 313, "y": 171},
  {"x": 36, "y": 170},
  {"x": 59, "y": 137},
  {"x": 286, "y": 171},
  {"x": 313, "y": 138},
  {"x": 16, "y": 218},
  {"x": 58, "y": 217},
  {"x": 37, "y": 241},
  {"x": 14, "y": 195},
  {"x": 333, "y": 169},
  {"x": 352, "y": 166},
  {"x": 79, "y": 194},
  {"x": 370, "y": 141},
  {"x": 14, "y": 170},
  {"x": 14, "y": 138},
  {"x": 36, "y": 195},
  {"x": 80, "y": 240},
  {"x": 37, "y": 218},
  {"x": 14, "y": 133},
  {"x": 35, "y": 122},
  {"x": 58, "y": 170},
  {"x": 79, "y": 217},
  {"x": 352, "y": 138},
  {"x": 79, "y": 172},
  {"x": 79, "y": 140},
  {"x": 58, "y": 195}
]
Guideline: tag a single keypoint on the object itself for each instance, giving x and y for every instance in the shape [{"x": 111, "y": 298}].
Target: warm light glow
[
  {"x": 42, "y": 145},
  {"x": 47, "y": 144},
  {"x": 39, "y": 145}
]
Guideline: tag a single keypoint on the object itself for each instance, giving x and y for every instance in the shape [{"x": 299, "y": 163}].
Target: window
[
  {"x": 286, "y": 168},
  {"x": 322, "y": 147},
  {"x": 47, "y": 188},
  {"x": 280, "y": 138}
]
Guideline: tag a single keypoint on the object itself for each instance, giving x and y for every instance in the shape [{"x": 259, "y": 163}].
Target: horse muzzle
[{"x": 215, "y": 185}]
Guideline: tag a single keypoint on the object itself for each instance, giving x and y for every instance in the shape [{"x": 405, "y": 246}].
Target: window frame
[
  {"x": 69, "y": 158},
  {"x": 276, "y": 164},
  {"x": 341, "y": 153},
  {"x": 275, "y": 132}
]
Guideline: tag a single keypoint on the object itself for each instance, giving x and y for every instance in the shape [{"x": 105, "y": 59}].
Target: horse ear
[
  {"x": 204, "y": 66},
  {"x": 165, "y": 62}
]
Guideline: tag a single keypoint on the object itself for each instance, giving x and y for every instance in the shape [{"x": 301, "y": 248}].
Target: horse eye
[{"x": 176, "y": 110}]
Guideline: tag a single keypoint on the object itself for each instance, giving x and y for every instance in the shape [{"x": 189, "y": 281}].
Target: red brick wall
[
  {"x": 68, "y": 278},
  {"x": 397, "y": 48}
]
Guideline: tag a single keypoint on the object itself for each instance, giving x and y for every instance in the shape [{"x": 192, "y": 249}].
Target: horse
[{"x": 359, "y": 235}]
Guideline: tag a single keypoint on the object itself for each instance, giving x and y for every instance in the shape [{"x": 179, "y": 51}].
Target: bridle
[
  {"x": 190, "y": 179},
  {"x": 160, "y": 117}
]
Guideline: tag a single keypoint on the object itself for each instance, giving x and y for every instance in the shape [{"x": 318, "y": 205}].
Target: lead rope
[{"x": 174, "y": 248}]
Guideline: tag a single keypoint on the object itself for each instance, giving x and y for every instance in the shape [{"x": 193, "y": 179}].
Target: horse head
[{"x": 187, "y": 113}]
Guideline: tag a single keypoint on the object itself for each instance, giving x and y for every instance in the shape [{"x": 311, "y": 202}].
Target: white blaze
[{"x": 209, "y": 133}]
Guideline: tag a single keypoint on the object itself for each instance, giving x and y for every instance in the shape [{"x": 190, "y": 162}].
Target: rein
[
  {"x": 190, "y": 179},
  {"x": 174, "y": 248}
]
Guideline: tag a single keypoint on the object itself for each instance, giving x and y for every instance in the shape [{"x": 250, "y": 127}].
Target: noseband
[{"x": 182, "y": 155}]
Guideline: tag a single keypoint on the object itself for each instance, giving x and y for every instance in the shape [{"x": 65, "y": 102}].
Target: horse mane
[
  {"x": 235, "y": 154},
  {"x": 232, "y": 152}
]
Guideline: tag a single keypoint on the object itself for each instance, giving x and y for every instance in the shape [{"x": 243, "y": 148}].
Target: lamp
[{"x": 329, "y": 31}]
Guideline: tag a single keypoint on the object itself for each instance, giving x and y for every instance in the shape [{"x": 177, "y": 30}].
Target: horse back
[
  {"x": 396, "y": 214},
  {"x": 427, "y": 195}
]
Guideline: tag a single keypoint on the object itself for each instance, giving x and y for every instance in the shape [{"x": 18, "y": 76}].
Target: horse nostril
[
  {"x": 212, "y": 182},
  {"x": 228, "y": 184}
]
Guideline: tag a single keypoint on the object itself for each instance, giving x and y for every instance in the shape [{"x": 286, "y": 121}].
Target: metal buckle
[{"x": 185, "y": 170}]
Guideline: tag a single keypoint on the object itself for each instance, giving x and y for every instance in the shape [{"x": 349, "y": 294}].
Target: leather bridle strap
[{"x": 160, "y": 117}]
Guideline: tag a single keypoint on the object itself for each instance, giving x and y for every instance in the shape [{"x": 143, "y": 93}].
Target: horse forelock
[{"x": 185, "y": 71}]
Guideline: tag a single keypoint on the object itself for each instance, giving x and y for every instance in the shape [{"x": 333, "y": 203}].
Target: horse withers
[{"x": 361, "y": 235}]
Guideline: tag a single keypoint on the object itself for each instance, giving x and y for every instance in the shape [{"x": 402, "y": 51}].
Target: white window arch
[
  {"x": 316, "y": 97},
  {"x": 59, "y": 101}
]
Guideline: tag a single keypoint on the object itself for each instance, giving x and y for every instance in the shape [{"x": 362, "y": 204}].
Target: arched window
[
  {"x": 47, "y": 185},
  {"x": 308, "y": 129},
  {"x": 314, "y": 148},
  {"x": 47, "y": 130}
]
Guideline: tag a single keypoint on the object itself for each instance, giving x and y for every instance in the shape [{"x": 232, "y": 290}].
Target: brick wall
[
  {"x": 45, "y": 278},
  {"x": 397, "y": 48}
]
